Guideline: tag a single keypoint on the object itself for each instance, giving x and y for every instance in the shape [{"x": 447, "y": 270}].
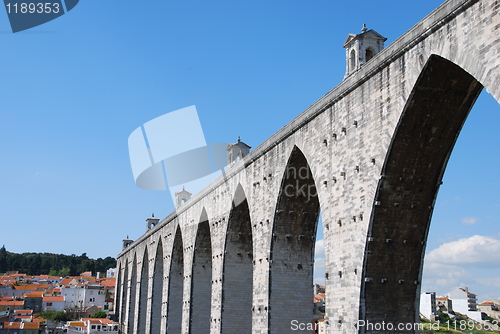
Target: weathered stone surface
[{"x": 373, "y": 149}]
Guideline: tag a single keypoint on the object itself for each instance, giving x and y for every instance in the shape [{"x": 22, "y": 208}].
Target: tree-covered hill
[{"x": 52, "y": 264}]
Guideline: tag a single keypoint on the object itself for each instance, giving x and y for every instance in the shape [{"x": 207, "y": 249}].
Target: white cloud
[
  {"x": 319, "y": 271},
  {"x": 470, "y": 262},
  {"x": 477, "y": 250},
  {"x": 319, "y": 262},
  {"x": 493, "y": 282},
  {"x": 469, "y": 220},
  {"x": 319, "y": 249},
  {"x": 443, "y": 277}
]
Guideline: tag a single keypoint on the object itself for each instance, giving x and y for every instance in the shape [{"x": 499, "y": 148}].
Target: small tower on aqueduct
[
  {"x": 237, "y": 151},
  {"x": 181, "y": 197},
  {"x": 126, "y": 242},
  {"x": 360, "y": 48},
  {"x": 151, "y": 222}
]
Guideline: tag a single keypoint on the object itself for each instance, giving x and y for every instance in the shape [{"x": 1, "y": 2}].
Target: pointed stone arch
[
  {"x": 352, "y": 60},
  {"x": 157, "y": 288},
  {"x": 201, "y": 285},
  {"x": 176, "y": 285},
  {"x": 126, "y": 296},
  {"x": 119, "y": 292},
  {"x": 292, "y": 246},
  {"x": 133, "y": 296},
  {"x": 411, "y": 175},
  {"x": 143, "y": 294},
  {"x": 237, "y": 284}
]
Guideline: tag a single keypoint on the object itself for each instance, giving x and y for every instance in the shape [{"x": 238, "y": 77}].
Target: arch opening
[
  {"x": 237, "y": 284},
  {"x": 292, "y": 247},
  {"x": 352, "y": 61},
  {"x": 430, "y": 123},
  {"x": 368, "y": 54},
  {"x": 133, "y": 296},
  {"x": 319, "y": 310},
  {"x": 158, "y": 279},
  {"x": 125, "y": 294},
  {"x": 143, "y": 294},
  {"x": 176, "y": 285},
  {"x": 119, "y": 290},
  {"x": 201, "y": 287}
]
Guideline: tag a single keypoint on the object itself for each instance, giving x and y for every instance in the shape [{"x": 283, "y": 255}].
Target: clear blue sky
[{"x": 72, "y": 91}]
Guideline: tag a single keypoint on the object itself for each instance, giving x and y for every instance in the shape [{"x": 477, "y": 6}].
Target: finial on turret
[
  {"x": 364, "y": 28},
  {"x": 153, "y": 214},
  {"x": 239, "y": 139}
]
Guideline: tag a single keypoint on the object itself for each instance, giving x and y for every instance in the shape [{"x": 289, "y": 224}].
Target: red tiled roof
[
  {"x": 12, "y": 303},
  {"x": 33, "y": 295},
  {"x": 108, "y": 283},
  {"x": 53, "y": 299},
  {"x": 32, "y": 287},
  {"x": 31, "y": 325},
  {"x": 97, "y": 321},
  {"x": 76, "y": 323},
  {"x": 12, "y": 325}
]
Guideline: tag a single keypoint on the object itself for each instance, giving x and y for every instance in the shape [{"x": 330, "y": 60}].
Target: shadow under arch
[
  {"x": 133, "y": 296},
  {"x": 118, "y": 293},
  {"x": 143, "y": 293},
  {"x": 421, "y": 146},
  {"x": 176, "y": 285},
  {"x": 292, "y": 248},
  {"x": 201, "y": 285},
  {"x": 237, "y": 284},
  {"x": 157, "y": 288},
  {"x": 125, "y": 295}
]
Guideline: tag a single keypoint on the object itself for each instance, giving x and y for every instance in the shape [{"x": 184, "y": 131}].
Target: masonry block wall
[{"x": 368, "y": 157}]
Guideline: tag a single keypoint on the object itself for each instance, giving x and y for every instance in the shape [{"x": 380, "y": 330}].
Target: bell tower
[{"x": 360, "y": 48}]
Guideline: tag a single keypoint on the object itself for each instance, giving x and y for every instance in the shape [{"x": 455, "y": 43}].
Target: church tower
[{"x": 360, "y": 48}]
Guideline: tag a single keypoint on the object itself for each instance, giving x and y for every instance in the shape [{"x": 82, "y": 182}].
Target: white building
[
  {"x": 90, "y": 325},
  {"x": 80, "y": 296},
  {"x": 465, "y": 302},
  {"x": 428, "y": 305},
  {"x": 111, "y": 272},
  {"x": 53, "y": 303}
]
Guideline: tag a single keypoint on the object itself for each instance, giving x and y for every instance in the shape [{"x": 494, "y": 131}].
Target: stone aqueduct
[{"x": 370, "y": 154}]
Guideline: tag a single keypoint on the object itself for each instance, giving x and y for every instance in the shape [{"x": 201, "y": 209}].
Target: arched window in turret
[
  {"x": 369, "y": 54},
  {"x": 352, "y": 59}
]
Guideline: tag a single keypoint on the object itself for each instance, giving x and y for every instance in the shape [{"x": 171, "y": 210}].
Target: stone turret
[
  {"x": 237, "y": 151},
  {"x": 127, "y": 242},
  {"x": 181, "y": 197},
  {"x": 151, "y": 222},
  {"x": 360, "y": 48}
]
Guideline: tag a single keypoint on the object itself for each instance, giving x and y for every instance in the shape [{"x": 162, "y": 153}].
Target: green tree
[
  {"x": 3, "y": 259},
  {"x": 58, "y": 316},
  {"x": 64, "y": 272},
  {"x": 100, "y": 314}
]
